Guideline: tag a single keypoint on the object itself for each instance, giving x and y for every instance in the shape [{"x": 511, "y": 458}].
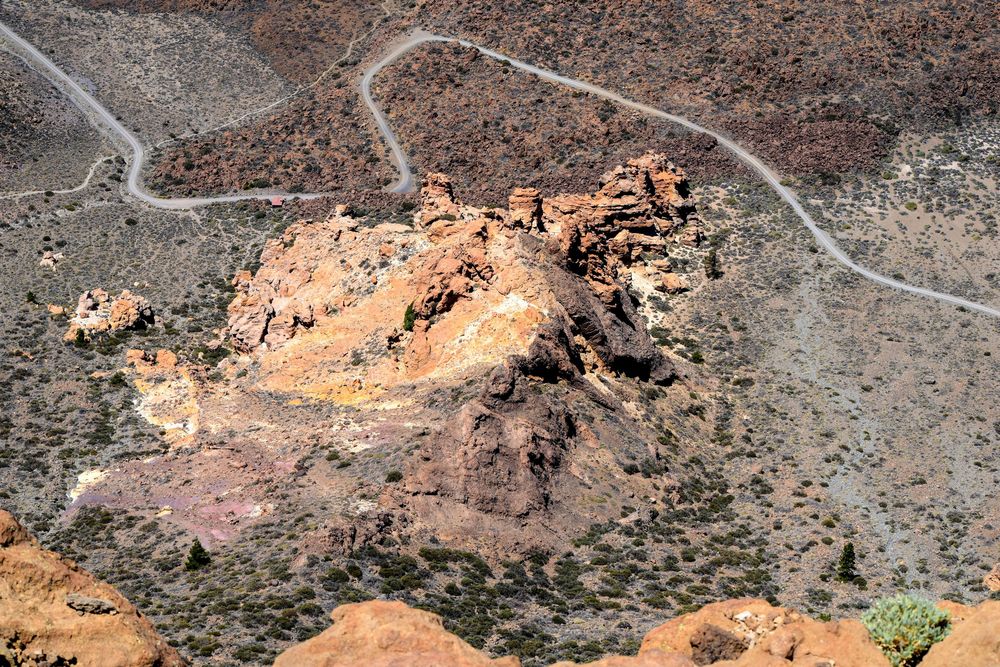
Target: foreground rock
[
  {"x": 747, "y": 633},
  {"x": 733, "y": 633},
  {"x": 386, "y": 634},
  {"x": 973, "y": 642},
  {"x": 99, "y": 312},
  {"x": 52, "y": 612}
]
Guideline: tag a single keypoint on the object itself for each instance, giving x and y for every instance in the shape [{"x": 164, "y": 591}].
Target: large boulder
[
  {"x": 99, "y": 312},
  {"x": 973, "y": 642},
  {"x": 52, "y": 612},
  {"x": 386, "y": 634},
  {"x": 753, "y": 633}
]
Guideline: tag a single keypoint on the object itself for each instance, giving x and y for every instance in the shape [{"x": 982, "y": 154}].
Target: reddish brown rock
[
  {"x": 437, "y": 199},
  {"x": 671, "y": 283},
  {"x": 638, "y": 208},
  {"x": 992, "y": 579},
  {"x": 973, "y": 642},
  {"x": 771, "y": 636},
  {"x": 525, "y": 207},
  {"x": 52, "y": 612},
  {"x": 386, "y": 634}
]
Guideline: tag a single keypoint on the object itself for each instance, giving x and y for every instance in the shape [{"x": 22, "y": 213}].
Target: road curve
[
  {"x": 405, "y": 182},
  {"x": 86, "y": 102},
  {"x": 75, "y": 188},
  {"x": 106, "y": 120}
]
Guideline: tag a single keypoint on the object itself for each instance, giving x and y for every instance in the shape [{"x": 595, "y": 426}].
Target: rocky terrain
[
  {"x": 592, "y": 377},
  {"x": 36, "y": 122},
  {"x": 824, "y": 102},
  {"x": 300, "y": 39},
  {"x": 57, "y": 613},
  {"x": 515, "y": 315}
]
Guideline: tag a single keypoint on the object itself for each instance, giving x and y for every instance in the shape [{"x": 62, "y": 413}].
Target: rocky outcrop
[
  {"x": 502, "y": 451},
  {"x": 437, "y": 200},
  {"x": 168, "y": 393},
  {"x": 50, "y": 259},
  {"x": 992, "y": 579},
  {"x": 52, "y": 612},
  {"x": 734, "y": 633},
  {"x": 487, "y": 303},
  {"x": 386, "y": 634},
  {"x": 99, "y": 312},
  {"x": 751, "y": 633},
  {"x": 638, "y": 207},
  {"x": 528, "y": 258},
  {"x": 973, "y": 641}
]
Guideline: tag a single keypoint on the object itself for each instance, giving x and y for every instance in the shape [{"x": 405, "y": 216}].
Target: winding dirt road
[
  {"x": 105, "y": 119},
  {"x": 405, "y": 182}
]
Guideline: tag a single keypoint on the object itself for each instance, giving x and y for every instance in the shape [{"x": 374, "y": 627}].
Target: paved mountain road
[{"x": 105, "y": 118}]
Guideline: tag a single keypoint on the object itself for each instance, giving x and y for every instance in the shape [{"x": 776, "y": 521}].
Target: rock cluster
[
  {"x": 733, "y": 633},
  {"x": 482, "y": 299},
  {"x": 50, "y": 259},
  {"x": 99, "y": 312},
  {"x": 52, "y": 612},
  {"x": 747, "y": 633}
]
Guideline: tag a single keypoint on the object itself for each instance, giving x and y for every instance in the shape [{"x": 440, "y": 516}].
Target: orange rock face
[
  {"x": 481, "y": 283},
  {"x": 752, "y": 633},
  {"x": 386, "y": 634},
  {"x": 973, "y": 642},
  {"x": 52, "y": 612},
  {"x": 733, "y": 633}
]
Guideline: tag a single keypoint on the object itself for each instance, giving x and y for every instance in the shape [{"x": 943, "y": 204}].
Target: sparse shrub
[
  {"x": 905, "y": 627},
  {"x": 713, "y": 268},
  {"x": 393, "y": 476}
]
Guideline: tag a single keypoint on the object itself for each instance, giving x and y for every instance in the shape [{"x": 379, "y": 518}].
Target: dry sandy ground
[
  {"x": 144, "y": 68},
  {"x": 872, "y": 413},
  {"x": 932, "y": 215}
]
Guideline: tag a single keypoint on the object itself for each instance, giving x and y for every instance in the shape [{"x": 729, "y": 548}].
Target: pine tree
[
  {"x": 846, "y": 564},
  {"x": 713, "y": 268},
  {"x": 198, "y": 557}
]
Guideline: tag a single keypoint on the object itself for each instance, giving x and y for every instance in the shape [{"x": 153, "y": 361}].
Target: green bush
[
  {"x": 905, "y": 628},
  {"x": 198, "y": 556},
  {"x": 409, "y": 317}
]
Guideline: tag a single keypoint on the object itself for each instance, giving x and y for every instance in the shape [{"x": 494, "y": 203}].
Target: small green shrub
[
  {"x": 905, "y": 628},
  {"x": 409, "y": 317}
]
